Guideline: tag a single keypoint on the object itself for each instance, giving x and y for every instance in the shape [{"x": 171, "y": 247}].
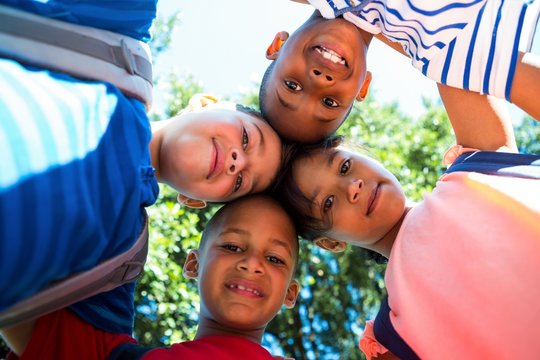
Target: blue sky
[{"x": 222, "y": 44}]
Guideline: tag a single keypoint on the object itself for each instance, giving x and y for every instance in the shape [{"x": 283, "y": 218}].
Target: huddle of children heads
[
  {"x": 313, "y": 79},
  {"x": 332, "y": 194}
]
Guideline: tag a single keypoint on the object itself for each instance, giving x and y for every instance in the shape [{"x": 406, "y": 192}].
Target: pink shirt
[{"x": 463, "y": 277}]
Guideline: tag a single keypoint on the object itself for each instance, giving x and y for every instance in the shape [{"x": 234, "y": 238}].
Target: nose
[
  {"x": 324, "y": 78},
  {"x": 251, "y": 263},
  {"x": 236, "y": 162},
  {"x": 353, "y": 190}
]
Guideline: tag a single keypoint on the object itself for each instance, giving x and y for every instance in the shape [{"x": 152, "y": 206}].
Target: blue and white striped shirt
[{"x": 469, "y": 44}]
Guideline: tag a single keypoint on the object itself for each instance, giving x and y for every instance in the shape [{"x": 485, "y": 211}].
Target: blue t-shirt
[
  {"x": 129, "y": 17},
  {"x": 75, "y": 170}
]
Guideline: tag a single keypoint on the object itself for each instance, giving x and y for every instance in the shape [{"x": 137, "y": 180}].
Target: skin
[
  {"x": 239, "y": 251},
  {"x": 215, "y": 153},
  {"x": 242, "y": 254},
  {"x": 526, "y": 84},
  {"x": 364, "y": 202},
  {"x": 308, "y": 96},
  {"x": 302, "y": 120}
]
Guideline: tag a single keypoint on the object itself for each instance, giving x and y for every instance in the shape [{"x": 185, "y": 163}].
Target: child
[
  {"x": 237, "y": 151},
  {"x": 320, "y": 70},
  {"x": 80, "y": 163},
  {"x": 442, "y": 303},
  {"x": 245, "y": 273}
]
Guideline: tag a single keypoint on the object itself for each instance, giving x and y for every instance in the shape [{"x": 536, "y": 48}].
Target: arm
[
  {"x": 479, "y": 121},
  {"x": 17, "y": 337}
]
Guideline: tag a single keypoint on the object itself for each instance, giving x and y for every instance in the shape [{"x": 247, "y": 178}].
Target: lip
[
  {"x": 327, "y": 62},
  {"x": 216, "y": 160},
  {"x": 245, "y": 288},
  {"x": 373, "y": 199}
]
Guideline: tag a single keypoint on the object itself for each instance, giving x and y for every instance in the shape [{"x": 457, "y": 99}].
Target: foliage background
[{"x": 338, "y": 291}]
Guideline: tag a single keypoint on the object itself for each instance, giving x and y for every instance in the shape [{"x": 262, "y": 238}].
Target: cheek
[
  {"x": 347, "y": 224},
  {"x": 215, "y": 191}
]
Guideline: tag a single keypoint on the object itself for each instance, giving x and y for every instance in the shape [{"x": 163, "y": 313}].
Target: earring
[{"x": 193, "y": 204}]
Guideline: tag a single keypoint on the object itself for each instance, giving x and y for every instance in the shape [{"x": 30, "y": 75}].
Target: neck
[
  {"x": 208, "y": 327},
  {"x": 385, "y": 244}
]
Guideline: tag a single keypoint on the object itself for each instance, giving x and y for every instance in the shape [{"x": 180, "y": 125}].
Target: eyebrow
[
  {"x": 291, "y": 107},
  {"x": 284, "y": 245},
  {"x": 324, "y": 120},
  {"x": 329, "y": 163},
  {"x": 260, "y": 131},
  {"x": 234, "y": 230},
  {"x": 255, "y": 177},
  {"x": 274, "y": 241},
  {"x": 284, "y": 103}
]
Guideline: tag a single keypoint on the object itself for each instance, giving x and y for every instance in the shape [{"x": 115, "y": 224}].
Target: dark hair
[
  {"x": 299, "y": 205},
  {"x": 286, "y": 189},
  {"x": 288, "y": 148},
  {"x": 262, "y": 89}
]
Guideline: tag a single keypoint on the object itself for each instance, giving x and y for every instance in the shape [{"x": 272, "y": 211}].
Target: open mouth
[
  {"x": 246, "y": 289},
  {"x": 330, "y": 55},
  {"x": 372, "y": 202}
]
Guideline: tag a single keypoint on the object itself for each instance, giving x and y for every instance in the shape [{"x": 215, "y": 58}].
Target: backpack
[
  {"x": 81, "y": 51},
  {"x": 109, "y": 274}
]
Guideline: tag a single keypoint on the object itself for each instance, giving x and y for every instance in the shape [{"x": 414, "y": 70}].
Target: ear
[
  {"x": 330, "y": 244},
  {"x": 199, "y": 101},
  {"x": 191, "y": 203},
  {"x": 292, "y": 293},
  {"x": 274, "y": 47},
  {"x": 191, "y": 266},
  {"x": 365, "y": 87}
]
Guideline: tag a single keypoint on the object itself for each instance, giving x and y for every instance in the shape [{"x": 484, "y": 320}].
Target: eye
[
  {"x": 238, "y": 182},
  {"x": 328, "y": 203},
  {"x": 231, "y": 248},
  {"x": 345, "y": 167},
  {"x": 275, "y": 260},
  {"x": 245, "y": 139},
  {"x": 330, "y": 102},
  {"x": 292, "y": 85}
]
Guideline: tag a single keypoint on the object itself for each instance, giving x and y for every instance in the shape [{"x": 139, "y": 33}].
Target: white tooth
[
  {"x": 327, "y": 55},
  {"x": 256, "y": 292},
  {"x": 240, "y": 287}
]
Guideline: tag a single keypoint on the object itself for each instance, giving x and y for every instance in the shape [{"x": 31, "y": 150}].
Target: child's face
[
  {"x": 360, "y": 198},
  {"x": 246, "y": 267},
  {"x": 317, "y": 75},
  {"x": 219, "y": 154}
]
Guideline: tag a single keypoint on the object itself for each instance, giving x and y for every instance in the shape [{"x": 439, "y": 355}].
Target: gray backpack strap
[
  {"x": 81, "y": 51},
  {"x": 116, "y": 271}
]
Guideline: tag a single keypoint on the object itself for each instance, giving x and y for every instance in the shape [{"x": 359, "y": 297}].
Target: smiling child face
[
  {"x": 354, "y": 193},
  {"x": 317, "y": 75},
  {"x": 246, "y": 265},
  {"x": 218, "y": 153}
]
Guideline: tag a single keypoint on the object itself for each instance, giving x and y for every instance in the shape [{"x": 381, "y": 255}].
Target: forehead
[{"x": 257, "y": 219}]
